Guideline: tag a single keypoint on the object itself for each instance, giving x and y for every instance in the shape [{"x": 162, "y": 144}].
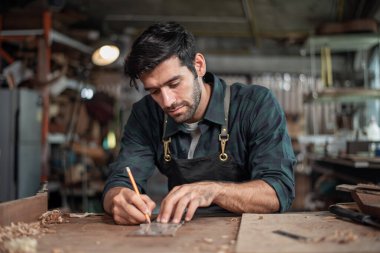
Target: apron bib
[{"x": 216, "y": 167}]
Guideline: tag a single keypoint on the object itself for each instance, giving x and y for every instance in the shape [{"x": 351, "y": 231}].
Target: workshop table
[
  {"x": 214, "y": 234},
  {"x": 100, "y": 234}
]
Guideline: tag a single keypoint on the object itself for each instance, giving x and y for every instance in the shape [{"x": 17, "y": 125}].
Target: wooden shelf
[
  {"x": 343, "y": 95},
  {"x": 342, "y": 43}
]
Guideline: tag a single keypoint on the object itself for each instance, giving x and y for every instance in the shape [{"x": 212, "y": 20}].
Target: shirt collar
[{"x": 215, "y": 109}]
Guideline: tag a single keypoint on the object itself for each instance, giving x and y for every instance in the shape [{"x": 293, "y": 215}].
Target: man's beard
[{"x": 196, "y": 97}]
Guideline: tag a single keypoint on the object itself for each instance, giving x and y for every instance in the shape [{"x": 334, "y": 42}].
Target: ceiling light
[{"x": 105, "y": 55}]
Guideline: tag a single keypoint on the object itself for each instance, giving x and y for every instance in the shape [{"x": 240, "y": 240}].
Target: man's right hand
[{"x": 126, "y": 207}]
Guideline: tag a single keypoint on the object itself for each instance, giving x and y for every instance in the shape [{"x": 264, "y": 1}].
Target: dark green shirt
[{"x": 258, "y": 141}]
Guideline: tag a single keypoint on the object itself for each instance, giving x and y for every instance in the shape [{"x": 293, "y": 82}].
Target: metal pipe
[
  {"x": 55, "y": 37},
  {"x": 248, "y": 11},
  {"x": 30, "y": 32},
  {"x": 65, "y": 40}
]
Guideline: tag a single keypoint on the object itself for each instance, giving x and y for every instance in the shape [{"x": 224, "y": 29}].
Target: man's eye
[
  {"x": 173, "y": 85},
  {"x": 154, "y": 92}
]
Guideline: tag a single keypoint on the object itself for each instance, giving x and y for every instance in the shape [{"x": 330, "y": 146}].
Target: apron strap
[
  {"x": 224, "y": 136},
  {"x": 167, "y": 155}
]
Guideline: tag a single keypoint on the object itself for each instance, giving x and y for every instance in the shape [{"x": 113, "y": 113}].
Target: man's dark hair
[{"x": 158, "y": 43}]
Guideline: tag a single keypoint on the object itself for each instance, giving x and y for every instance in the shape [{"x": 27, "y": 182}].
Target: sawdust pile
[
  {"x": 17, "y": 238},
  {"x": 51, "y": 217},
  {"x": 21, "y": 245},
  {"x": 20, "y": 237}
]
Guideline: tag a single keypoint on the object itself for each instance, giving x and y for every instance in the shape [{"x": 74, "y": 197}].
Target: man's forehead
[{"x": 165, "y": 72}]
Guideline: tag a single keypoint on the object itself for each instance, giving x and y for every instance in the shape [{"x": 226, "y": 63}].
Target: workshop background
[{"x": 63, "y": 103}]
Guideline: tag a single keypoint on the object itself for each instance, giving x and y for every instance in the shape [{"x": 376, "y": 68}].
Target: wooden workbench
[
  {"x": 100, "y": 234},
  {"x": 213, "y": 234}
]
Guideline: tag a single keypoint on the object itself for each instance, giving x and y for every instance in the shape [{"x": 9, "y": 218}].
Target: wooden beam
[
  {"x": 44, "y": 58},
  {"x": 6, "y": 56}
]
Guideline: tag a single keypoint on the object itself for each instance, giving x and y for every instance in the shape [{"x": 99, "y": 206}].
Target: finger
[
  {"x": 124, "y": 207},
  {"x": 193, "y": 206},
  {"x": 168, "y": 204},
  {"x": 125, "y": 221},
  {"x": 122, "y": 215},
  {"x": 180, "y": 208},
  {"x": 172, "y": 191},
  {"x": 139, "y": 203},
  {"x": 135, "y": 214},
  {"x": 149, "y": 202}
]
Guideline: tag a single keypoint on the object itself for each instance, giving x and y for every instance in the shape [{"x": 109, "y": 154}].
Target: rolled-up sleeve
[{"x": 271, "y": 155}]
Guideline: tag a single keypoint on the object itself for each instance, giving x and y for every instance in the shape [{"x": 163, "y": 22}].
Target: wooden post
[{"x": 44, "y": 56}]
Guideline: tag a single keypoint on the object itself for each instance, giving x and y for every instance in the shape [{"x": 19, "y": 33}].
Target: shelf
[
  {"x": 342, "y": 43},
  {"x": 342, "y": 95},
  {"x": 55, "y": 36}
]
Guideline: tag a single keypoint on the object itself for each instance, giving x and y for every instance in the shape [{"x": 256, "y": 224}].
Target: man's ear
[{"x": 200, "y": 64}]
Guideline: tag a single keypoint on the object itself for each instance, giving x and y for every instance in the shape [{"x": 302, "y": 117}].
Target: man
[{"x": 220, "y": 148}]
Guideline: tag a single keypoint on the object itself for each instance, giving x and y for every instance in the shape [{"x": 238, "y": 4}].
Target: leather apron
[{"x": 215, "y": 167}]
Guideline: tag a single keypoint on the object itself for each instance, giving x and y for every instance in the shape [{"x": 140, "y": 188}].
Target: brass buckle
[
  {"x": 223, "y": 140},
  {"x": 167, "y": 156}
]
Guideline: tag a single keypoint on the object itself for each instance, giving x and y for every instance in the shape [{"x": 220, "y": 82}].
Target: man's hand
[
  {"x": 255, "y": 196},
  {"x": 190, "y": 196},
  {"x": 126, "y": 206}
]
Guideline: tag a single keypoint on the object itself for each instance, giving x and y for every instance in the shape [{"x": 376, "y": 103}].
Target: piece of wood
[
  {"x": 321, "y": 228},
  {"x": 366, "y": 196},
  {"x": 23, "y": 210}
]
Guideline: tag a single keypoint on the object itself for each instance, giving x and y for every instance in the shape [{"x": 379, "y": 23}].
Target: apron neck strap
[
  {"x": 224, "y": 136},
  {"x": 165, "y": 124},
  {"x": 224, "y": 130}
]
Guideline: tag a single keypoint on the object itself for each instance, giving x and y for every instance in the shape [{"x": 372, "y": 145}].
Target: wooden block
[{"x": 23, "y": 210}]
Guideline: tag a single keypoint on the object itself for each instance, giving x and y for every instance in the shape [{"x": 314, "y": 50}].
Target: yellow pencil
[{"x": 136, "y": 189}]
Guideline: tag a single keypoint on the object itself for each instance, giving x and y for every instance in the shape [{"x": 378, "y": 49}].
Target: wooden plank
[
  {"x": 99, "y": 234},
  {"x": 25, "y": 210},
  {"x": 256, "y": 234}
]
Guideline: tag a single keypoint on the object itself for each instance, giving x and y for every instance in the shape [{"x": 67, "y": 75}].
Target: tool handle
[{"x": 347, "y": 213}]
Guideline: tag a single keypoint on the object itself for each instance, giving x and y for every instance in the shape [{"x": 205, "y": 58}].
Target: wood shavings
[
  {"x": 20, "y": 229},
  {"x": 9, "y": 235},
  {"x": 261, "y": 217},
  {"x": 83, "y": 215},
  {"x": 234, "y": 219},
  {"x": 21, "y": 245},
  {"x": 51, "y": 217}
]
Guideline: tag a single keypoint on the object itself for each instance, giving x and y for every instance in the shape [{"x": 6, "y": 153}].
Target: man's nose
[{"x": 167, "y": 97}]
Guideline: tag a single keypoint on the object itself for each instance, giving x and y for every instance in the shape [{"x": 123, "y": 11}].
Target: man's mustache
[{"x": 173, "y": 106}]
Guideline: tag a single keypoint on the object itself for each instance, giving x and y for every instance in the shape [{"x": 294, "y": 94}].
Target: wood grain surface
[
  {"x": 100, "y": 234},
  {"x": 325, "y": 233}
]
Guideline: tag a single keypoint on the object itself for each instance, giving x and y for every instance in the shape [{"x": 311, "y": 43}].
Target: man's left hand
[{"x": 190, "y": 196}]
